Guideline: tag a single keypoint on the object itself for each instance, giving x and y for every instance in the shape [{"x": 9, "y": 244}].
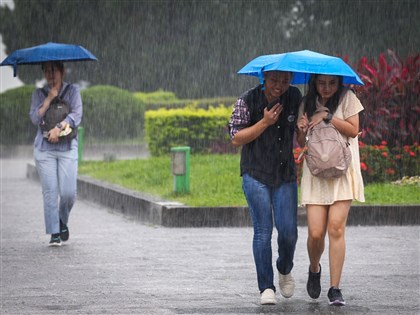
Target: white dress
[{"x": 321, "y": 191}]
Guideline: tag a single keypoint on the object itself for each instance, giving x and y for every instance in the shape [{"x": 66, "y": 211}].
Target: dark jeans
[{"x": 265, "y": 202}]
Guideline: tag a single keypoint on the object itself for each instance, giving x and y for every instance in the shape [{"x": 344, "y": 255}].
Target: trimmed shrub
[
  {"x": 110, "y": 113},
  {"x": 205, "y": 131},
  {"x": 156, "y": 97},
  {"x": 204, "y": 103},
  {"x": 16, "y": 127}
]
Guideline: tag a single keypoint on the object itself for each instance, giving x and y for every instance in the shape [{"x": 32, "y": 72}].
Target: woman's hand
[
  {"x": 317, "y": 118},
  {"x": 53, "y": 135},
  {"x": 303, "y": 124},
  {"x": 47, "y": 101},
  {"x": 53, "y": 92}
]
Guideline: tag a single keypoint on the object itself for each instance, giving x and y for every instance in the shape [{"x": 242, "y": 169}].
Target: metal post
[
  {"x": 80, "y": 142},
  {"x": 181, "y": 169}
]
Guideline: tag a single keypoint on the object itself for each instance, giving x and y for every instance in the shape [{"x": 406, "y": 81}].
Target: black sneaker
[
  {"x": 64, "y": 232},
  {"x": 55, "y": 240},
  {"x": 335, "y": 297},
  {"x": 313, "y": 286}
]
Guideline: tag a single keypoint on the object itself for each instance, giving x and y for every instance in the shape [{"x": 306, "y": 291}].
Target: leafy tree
[{"x": 194, "y": 48}]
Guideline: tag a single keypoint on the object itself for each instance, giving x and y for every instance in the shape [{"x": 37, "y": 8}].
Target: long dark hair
[{"x": 311, "y": 96}]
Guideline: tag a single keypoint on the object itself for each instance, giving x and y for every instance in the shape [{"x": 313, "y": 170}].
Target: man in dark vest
[{"x": 263, "y": 122}]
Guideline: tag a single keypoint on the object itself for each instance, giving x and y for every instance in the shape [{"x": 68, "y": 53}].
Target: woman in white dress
[{"x": 328, "y": 201}]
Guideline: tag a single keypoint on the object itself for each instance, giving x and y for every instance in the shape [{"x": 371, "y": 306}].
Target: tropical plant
[{"x": 391, "y": 99}]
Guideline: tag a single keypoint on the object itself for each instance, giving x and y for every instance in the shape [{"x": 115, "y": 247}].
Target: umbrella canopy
[
  {"x": 302, "y": 64},
  {"x": 47, "y": 52}
]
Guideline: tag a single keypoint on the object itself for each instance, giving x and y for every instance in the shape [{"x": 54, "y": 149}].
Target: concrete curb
[{"x": 153, "y": 210}]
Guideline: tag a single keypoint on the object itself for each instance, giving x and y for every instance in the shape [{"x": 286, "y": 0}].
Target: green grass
[
  {"x": 214, "y": 181},
  {"x": 387, "y": 193}
]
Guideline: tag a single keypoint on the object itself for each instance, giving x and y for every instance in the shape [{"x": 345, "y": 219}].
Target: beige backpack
[{"x": 327, "y": 154}]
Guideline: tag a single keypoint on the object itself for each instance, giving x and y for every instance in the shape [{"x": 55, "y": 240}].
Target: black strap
[{"x": 65, "y": 91}]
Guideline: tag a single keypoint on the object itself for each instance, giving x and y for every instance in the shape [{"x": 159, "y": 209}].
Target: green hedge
[
  {"x": 156, "y": 97},
  {"x": 204, "y": 103},
  {"x": 16, "y": 127},
  {"x": 205, "y": 131},
  {"x": 110, "y": 113}
]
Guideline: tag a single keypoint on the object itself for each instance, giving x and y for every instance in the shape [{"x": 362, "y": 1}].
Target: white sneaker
[
  {"x": 268, "y": 297},
  {"x": 287, "y": 285}
]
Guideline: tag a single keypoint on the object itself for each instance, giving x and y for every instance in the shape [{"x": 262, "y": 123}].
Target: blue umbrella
[
  {"x": 302, "y": 64},
  {"x": 47, "y": 52}
]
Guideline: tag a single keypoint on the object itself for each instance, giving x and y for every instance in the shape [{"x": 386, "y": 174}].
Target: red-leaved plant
[{"x": 391, "y": 99}]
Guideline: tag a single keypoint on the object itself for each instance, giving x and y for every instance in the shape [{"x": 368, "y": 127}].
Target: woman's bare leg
[
  {"x": 337, "y": 219},
  {"x": 317, "y": 216}
]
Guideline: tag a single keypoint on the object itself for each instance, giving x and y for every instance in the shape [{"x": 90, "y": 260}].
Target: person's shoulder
[
  {"x": 40, "y": 91},
  {"x": 294, "y": 90},
  {"x": 350, "y": 100},
  {"x": 251, "y": 96},
  {"x": 294, "y": 94},
  {"x": 72, "y": 88},
  {"x": 349, "y": 94},
  {"x": 254, "y": 90}
]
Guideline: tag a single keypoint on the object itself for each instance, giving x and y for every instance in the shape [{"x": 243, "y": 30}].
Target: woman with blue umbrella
[
  {"x": 328, "y": 200},
  {"x": 55, "y": 150},
  {"x": 56, "y": 110}
]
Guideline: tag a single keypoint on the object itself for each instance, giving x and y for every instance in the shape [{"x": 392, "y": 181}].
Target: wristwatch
[
  {"x": 328, "y": 118},
  {"x": 59, "y": 126}
]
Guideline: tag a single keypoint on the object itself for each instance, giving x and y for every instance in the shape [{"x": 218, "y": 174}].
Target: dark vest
[{"x": 269, "y": 158}]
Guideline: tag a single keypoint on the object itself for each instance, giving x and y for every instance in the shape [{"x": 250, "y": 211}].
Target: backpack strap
[
  {"x": 65, "y": 91},
  {"x": 44, "y": 92}
]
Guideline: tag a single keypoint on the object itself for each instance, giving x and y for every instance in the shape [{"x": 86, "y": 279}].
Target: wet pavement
[{"x": 115, "y": 265}]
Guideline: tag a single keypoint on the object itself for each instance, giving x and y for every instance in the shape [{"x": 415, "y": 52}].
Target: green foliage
[
  {"x": 391, "y": 194},
  {"x": 214, "y": 181},
  {"x": 381, "y": 164},
  {"x": 111, "y": 113},
  {"x": 204, "y": 103},
  {"x": 195, "y": 47},
  {"x": 16, "y": 127},
  {"x": 156, "y": 97},
  {"x": 391, "y": 99},
  {"x": 202, "y": 130}
]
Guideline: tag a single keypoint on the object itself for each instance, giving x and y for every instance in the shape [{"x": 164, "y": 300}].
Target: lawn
[{"x": 214, "y": 181}]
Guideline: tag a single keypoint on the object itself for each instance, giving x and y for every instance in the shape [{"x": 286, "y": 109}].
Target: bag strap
[
  {"x": 44, "y": 92},
  {"x": 65, "y": 91}
]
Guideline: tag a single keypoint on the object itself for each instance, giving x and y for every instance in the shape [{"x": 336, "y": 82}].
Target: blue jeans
[
  {"x": 264, "y": 202},
  {"x": 58, "y": 174}
]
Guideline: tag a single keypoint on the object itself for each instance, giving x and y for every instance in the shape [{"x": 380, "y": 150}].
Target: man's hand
[{"x": 272, "y": 115}]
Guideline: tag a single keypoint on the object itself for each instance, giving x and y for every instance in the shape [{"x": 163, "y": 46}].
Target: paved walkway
[{"x": 113, "y": 265}]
